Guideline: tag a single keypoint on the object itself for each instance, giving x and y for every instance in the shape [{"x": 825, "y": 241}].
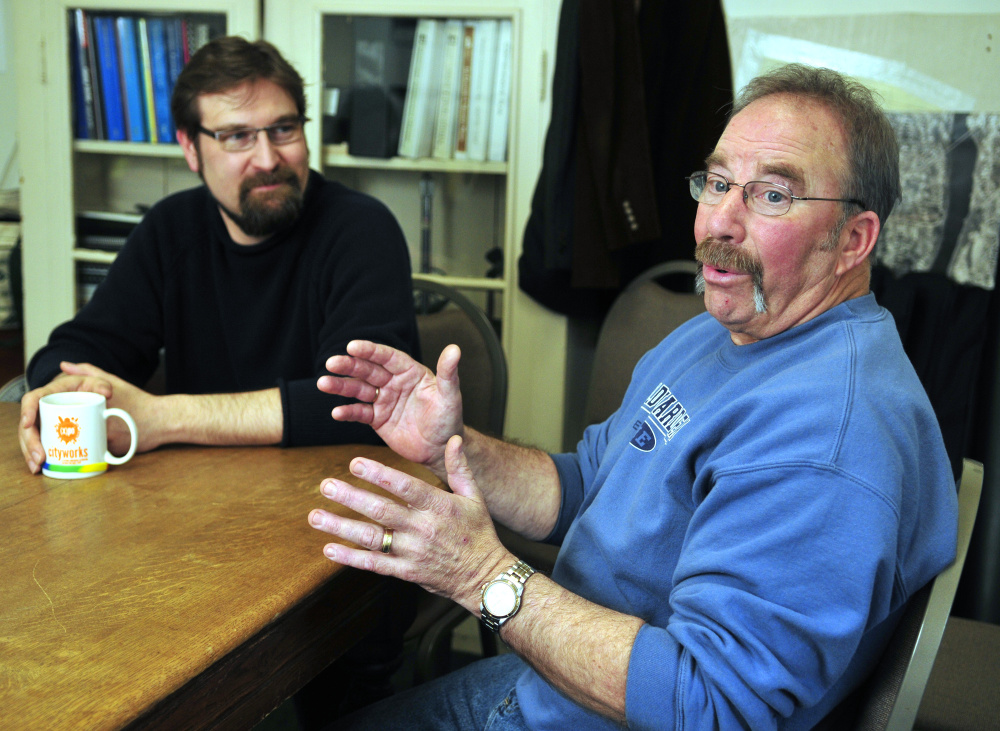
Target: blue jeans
[{"x": 479, "y": 696}]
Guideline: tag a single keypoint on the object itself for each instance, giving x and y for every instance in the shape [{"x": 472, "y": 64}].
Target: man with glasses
[
  {"x": 739, "y": 539},
  {"x": 247, "y": 283}
]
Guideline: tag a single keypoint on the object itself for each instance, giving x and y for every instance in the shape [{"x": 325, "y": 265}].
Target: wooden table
[{"x": 181, "y": 590}]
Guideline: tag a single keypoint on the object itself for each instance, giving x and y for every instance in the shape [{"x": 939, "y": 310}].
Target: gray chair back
[
  {"x": 890, "y": 698},
  {"x": 642, "y": 315},
  {"x": 13, "y": 390},
  {"x": 446, "y": 316}
]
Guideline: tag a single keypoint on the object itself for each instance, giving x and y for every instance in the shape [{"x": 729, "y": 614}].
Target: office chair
[
  {"x": 14, "y": 389},
  {"x": 446, "y": 316},
  {"x": 648, "y": 309},
  {"x": 890, "y": 698},
  {"x": 963, "y": 692}
]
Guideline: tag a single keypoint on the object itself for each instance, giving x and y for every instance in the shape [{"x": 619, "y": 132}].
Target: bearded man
[{"x": 247, "y": 284}]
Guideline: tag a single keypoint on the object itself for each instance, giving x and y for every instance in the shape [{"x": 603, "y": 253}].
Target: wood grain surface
[{"x": 184, "y": 589}]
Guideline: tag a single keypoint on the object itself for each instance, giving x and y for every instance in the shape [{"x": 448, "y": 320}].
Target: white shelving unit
[{"x": 477, "y": 206}]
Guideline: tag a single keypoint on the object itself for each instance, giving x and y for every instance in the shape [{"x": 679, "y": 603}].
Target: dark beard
[
  {"x": 727, "y": 257},
  {"x": 263, "y": 215}
]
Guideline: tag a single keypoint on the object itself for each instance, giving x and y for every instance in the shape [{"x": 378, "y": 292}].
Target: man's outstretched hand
[{"x": 413, "y": 410}]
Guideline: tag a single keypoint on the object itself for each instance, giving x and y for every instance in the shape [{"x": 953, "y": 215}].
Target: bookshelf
[{"x": 479, "y": 208}]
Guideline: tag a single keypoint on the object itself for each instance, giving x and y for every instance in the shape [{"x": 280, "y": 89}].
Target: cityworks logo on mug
[
  {"x": 67, "y": 429},
  {"x": 67, "y": 432}
]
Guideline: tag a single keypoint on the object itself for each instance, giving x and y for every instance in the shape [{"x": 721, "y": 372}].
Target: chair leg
[{"x": 488, "y": 641}]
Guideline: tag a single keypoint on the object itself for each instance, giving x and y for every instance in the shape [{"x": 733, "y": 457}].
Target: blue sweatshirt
[{"x": 767, "y": 509}]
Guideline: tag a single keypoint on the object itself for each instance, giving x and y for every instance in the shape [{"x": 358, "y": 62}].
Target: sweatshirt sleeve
[
  {"x": 364, "y": 291},
  {"x": 779, "y": 578},
  {"x": 577, "y": 473}
]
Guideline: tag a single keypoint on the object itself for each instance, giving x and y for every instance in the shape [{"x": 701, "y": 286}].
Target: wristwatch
[{"x": 501, "y": 597}]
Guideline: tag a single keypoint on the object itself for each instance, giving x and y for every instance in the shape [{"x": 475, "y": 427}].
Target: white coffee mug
[{"x": 75, "y": 436}]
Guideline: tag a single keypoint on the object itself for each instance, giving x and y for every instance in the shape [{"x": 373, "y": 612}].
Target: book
[
  {"x": 142, "y": 34},
  {"x": 496, "y": 149},
  {"x": 111, "y": 91},
  {"x": 162, "y": 86},
  {"x": 173, "y": 29},
  {"x": 446, "y": 119},
  {"x": 198, "y": 34},
  {"x": 382, "y": 50},
  {"x": 416, "y": 133},
  {"x": 100, "y": 122},
  {"x": 131, "y": 80},
  {"x": 83, "y": 87},
  {"x": 464, "y": 90},
  {"x": 481, "y": 88}
]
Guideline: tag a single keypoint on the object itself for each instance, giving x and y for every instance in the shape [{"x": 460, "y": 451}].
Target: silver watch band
[{"x": 517, "y": 574}]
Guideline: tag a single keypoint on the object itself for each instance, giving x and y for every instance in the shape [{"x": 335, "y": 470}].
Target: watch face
[{"x": 500, "y": 598}]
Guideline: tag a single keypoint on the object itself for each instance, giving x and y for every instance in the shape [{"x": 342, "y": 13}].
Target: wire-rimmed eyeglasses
[
  {"x": 242, "y": 139},
  {"x": 767, "y": 199}
]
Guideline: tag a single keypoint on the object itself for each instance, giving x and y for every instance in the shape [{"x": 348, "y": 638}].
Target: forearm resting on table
[
  {"x": 520, "y": 484},
  {"x": 581, "y": 648},
  {"x": 253, "y": 417}
]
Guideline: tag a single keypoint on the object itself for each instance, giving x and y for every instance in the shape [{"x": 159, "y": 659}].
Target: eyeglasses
[
  {"x": 767, "y": 199},
  {"x": 240, "y": 140}
]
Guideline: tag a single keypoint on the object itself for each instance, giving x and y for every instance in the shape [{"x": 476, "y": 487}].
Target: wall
[
  {"x": 919, "y": 54},
  {"x": 8, "y": 109}
]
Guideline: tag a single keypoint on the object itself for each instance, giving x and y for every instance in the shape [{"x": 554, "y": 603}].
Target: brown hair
[
  {"x": 223, "y": 64},
  {"x": 872, "y": 148}
]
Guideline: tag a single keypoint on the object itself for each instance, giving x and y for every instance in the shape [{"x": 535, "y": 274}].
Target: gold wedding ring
[
  {"x": 376, "y": 395},
  {"x": 386, "y": 540}
]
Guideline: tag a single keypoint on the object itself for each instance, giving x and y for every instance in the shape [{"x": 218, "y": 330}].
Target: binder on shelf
[
  {"x": 142, "y": 35},
  {"x": 89, "y": 276},
  {"x": 173, "y": 29},
  {"x": 85, "y": 124},
  {"x": 464, "y": 91},
  {"x": 100, "y": 231},
  {"x": 496, "y": 150},
  {"x": 131, "y": 80},
  {"x": 111, "y": 92},
  {"x": 162, "y": 86},
  {"x": 416, "y": 134},
  {"x": 382, "y": 49},
  {"x": 100, "y": 120},
  {"x": 481, "y": 89},
  {"x": 446, "y": 119},
  {"x": 199, "y": 32}
]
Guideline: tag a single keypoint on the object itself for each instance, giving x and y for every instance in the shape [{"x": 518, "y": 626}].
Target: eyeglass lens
[
  {"x": 282, "y": 133},
  {"x": 767, "y": 199}
]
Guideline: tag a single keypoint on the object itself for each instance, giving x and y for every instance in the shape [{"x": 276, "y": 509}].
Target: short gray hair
[{"x": 872, "y": 148}]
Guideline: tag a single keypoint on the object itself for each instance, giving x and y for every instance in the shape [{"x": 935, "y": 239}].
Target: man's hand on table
[{"x": 85, "y": 377}]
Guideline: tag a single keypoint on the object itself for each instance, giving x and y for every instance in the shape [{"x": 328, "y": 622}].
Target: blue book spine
[
  {"x": 82, "y": 110},
  {"x": 111, "y": 92},
  {"x": 96, "y": 98},
  {"x": 174, "y": 33},
  {"x": 131, "y": 80},
  {"x": 162, "y": 86}
]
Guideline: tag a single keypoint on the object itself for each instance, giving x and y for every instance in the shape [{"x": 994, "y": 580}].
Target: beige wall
[
  {"x": 8, "y": 107},
  {"x": 920, "y": 54}
]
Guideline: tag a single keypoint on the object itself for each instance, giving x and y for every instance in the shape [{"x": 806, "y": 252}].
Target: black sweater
[{"x": 235, "y": 318}]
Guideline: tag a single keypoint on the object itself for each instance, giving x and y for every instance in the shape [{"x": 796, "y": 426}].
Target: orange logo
[{"x": 68, "y": 430}]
